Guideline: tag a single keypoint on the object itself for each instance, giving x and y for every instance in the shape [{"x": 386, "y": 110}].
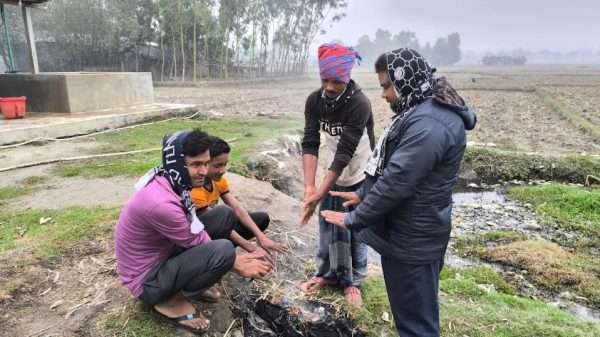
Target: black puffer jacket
[{"x": 405, "y": 213}]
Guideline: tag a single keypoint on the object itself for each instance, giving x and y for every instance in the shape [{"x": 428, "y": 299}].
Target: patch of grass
[
  {"x": 130, "y": 165},
  {"x": 137, "y": 323},
  {"x": 552, "y": 267},
  {"x": 26, "y": 186},
  {"x": 466, "y": 309},
  {"x": 503, "y": 236},
  {"x": 493, "y": 165},
  {"x": 34, "y": 180},
  {"x": 369, "y": 318},
  {"x": 309, "y": 269},
  {"x": 11, "y": 192},
  {"x": 480, "y": 275},
  {"x": 573, "y": 208},
  {"x": 244, "y": 136},
  {"x": 51, "y": 237},
  {"x": 476, "y": 245},
  {"x": 468, "y": 312}
]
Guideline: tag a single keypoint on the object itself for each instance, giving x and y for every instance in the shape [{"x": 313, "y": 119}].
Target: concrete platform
[
  {"x": 58, "y": 125},
  {"x": 78, "y": 92}
]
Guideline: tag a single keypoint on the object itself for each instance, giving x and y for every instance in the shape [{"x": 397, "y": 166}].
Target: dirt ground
[
  {"x": 73, "y": 294},
  {"x": 510, "y": 113},
  {"x": 58, "y": 193},
  {"x": 520, "y": 121},
  {"x": 584, "y": 100}
]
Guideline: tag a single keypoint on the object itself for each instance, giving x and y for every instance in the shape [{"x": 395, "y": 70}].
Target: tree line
[
  {"x": 503, "y": 60},
  {"x": 444, "y": 52},
  {"x": 177, "y": 39}
]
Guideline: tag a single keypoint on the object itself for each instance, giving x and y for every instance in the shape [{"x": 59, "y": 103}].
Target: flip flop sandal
[{"x": 176, "y": 321}]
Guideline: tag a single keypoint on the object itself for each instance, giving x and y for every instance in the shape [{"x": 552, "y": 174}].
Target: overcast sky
[{"x": 484, "y": 25}]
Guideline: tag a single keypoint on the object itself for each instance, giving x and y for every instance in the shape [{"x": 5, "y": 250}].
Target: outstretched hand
[
  {"x": 311, "y": 201},
  {"x": 336, "y": 218},
  {"x": 351, "y": 198},
  {"x": 252, "y": 265},
  {"x": 261, "y": 253},
  {"x": 271, "y": 246}
]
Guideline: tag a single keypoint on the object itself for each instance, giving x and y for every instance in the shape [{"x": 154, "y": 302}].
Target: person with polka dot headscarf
[{"x": 403, "y": 209}]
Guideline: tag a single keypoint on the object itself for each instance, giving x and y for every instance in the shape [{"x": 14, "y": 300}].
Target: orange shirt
[{"x": 209, "y": 194}]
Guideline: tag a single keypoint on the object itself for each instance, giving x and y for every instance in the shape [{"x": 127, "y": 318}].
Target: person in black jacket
[
  {"x": 343, "y": 113},
  {"x": 404, "y": 206}
]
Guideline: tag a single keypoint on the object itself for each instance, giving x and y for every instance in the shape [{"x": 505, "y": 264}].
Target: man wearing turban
[{"x": 342, "y": 112}]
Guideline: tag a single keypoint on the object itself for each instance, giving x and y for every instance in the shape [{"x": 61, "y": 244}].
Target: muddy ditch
[
  {"x": 478, "y": 211},
  {"x": 280, "y": 163},
  {"x": 518, "y": 278}
]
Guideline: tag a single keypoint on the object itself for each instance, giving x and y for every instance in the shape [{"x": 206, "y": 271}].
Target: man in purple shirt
[{"x": 164, "y": 255}]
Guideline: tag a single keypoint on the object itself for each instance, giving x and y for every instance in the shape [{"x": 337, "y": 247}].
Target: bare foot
[
  {"x": 212, "y": 293},
  {"x": 315, "y": 283},
  {"x": 179, "y": 307},
  {"x": 353, "y": 296}
]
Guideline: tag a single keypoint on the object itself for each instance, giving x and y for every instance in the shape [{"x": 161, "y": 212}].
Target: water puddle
[
  {"x": 482, "y": 197},
  {"x": 578, "y": 310},
  {"x": 452, "y": 261}
]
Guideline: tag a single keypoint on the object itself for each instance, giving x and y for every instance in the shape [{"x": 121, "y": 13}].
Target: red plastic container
[{"x": 13, "y": 107}]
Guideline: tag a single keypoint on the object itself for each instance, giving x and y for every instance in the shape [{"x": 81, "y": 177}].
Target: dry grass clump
[{"x": 553, "y": 267}]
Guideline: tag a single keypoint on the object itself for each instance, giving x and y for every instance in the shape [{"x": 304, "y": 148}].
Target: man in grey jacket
[{"x": 404, "y": 206}]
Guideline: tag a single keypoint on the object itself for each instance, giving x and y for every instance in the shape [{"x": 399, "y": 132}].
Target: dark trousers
[
  {"x": 413, "y": 294},
  {"x": 191, "y": 271},
  {"x": 219, "y": 221}
]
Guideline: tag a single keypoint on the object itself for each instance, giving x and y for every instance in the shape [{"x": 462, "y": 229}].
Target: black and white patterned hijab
[
  {"x": 412, "y": 77},
  {"x": 175, "y": 170},
  {"x": 413, "y": 81}
]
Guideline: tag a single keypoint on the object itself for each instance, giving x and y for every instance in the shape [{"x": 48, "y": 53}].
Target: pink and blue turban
[{"x": 336, "y": 61}]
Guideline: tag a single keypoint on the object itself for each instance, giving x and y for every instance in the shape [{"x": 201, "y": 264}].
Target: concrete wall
[{"x": 78, "y": 92}]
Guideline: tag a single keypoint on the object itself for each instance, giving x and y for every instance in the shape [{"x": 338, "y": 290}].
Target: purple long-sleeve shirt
[{"x": 151, "y": 225}]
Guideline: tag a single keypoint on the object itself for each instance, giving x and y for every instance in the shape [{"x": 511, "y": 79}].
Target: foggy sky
[{"x": 484, "y": 25}]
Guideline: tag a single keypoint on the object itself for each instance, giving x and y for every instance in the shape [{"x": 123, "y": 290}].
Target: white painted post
[{"x": 30, "y": 39}]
